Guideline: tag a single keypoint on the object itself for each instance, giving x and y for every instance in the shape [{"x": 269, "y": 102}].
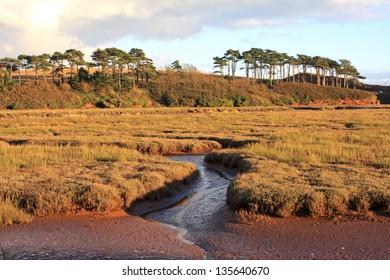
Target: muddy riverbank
[
  {"x": 195, "y": 224},
  {"x": 114, "y": 235},
  {"x": 122, "y": 236}
]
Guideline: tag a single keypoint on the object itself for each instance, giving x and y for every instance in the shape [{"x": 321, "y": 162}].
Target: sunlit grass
[
  {"x": 11, "y": 214},
  {"x": 356, "y": 148},
  {"x": 41, "y": 179},
  {"x": 297, "y": 163},
  {"x": 32, "y": 156}
]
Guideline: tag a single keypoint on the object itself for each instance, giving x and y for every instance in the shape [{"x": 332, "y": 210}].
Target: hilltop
[{"x": 117, "y": 78}]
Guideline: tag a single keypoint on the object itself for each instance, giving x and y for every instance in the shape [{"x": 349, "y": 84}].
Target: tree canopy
[
  {"x": 132, "y": 67},
  {"x": 272, "y": 67}
]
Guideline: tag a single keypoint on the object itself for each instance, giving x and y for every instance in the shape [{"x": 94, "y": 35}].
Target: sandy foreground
[{"x": 119, "y": 235}]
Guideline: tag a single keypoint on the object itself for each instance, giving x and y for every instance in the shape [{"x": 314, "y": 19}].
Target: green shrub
[
  {"x": 284, "y": 100},
  {"x": 102, "y": 82},
  {"x": 240, "y": 101}
]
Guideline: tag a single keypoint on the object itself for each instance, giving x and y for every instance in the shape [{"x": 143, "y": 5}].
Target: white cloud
[
  {"x": 247, "y": 22},
  {"x": 377, "y": 77},
  {"x": 44, "y": 25},
  {"x": 351, "y": 2}
]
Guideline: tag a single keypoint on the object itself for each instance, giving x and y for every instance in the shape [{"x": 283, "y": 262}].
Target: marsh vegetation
[{"x": 291, "y": 162}]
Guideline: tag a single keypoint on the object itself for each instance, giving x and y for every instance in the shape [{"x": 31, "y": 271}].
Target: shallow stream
[{"x": 199, "y": 210}]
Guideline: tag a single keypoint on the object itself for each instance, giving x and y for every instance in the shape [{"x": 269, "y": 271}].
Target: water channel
[{"x": 196, "y": 210}]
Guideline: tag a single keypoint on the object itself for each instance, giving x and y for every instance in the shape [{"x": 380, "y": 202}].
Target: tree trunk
[
  {"x": 288, "y": 72},
  {"x": 323, "y": 77},
  {"x": 247, "y": 71},
  {"x": 233, "y": 69},
  {"x": 10, "y": 71},
  {"x": 229, "y": 69},
  {"x": 261, "y": 72},
  {"x": 318, "y": 77},
  {"x": 293, "y": 74},
  {"x": 311, "y": 75},
  {"x": 147, "y": 77},
  {"x": 281, "y": 74}
]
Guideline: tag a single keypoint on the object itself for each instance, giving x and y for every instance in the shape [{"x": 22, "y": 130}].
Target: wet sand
[
  {"x": 115, "y": 235},
  {"x": 301, "y": 238},
  {"x": 118, "y": 235}
]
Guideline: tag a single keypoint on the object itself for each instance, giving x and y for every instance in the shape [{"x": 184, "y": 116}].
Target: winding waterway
[{"x": 203, "y": 202}]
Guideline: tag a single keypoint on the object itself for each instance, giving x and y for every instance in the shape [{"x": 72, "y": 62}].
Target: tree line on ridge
[
  {"x": 271, "y": 66},
  {"x": 113, "y": 65},
  {"x": 109, "y": 62}
]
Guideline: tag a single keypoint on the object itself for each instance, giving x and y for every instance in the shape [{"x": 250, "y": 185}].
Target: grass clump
[{"x": 11, "y": 214}]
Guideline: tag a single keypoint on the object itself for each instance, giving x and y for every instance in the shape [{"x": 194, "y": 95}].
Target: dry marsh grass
[
  {"x": 314, "y": 164},
  {"x": 44, "y": 180},
  {"x": 276, "y": 188},
  {"x": 292, "y": 162},
  {"x": 11, "y": 214}
]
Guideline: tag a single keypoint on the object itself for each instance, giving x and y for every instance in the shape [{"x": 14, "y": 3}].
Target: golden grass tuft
[{"x": 11, "y": 214}]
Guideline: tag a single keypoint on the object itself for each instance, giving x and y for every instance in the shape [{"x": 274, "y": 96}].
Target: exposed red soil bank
[{"x": 347, "y": 101}]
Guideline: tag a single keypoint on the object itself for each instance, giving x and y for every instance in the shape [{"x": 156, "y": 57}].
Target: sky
[{"x": 195, "y": 31}]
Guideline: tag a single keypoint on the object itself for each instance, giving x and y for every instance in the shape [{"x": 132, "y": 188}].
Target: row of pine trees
[
  {"x": 272, "y": 66},
  {"x": 259, "y": 65},
  {"x": 109, "y": 62}
]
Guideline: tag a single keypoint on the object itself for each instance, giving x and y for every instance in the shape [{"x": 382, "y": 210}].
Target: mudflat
[
  {"x": 118, "y": 235},
  {"x": 302, "y": 238},
  {"x": 113, "y": 235}
]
